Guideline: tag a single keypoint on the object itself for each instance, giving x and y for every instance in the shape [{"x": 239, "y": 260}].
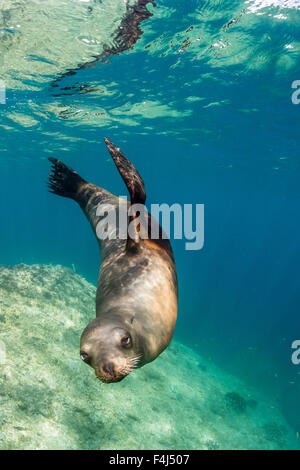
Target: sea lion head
[{"x": 111, "y": 348}]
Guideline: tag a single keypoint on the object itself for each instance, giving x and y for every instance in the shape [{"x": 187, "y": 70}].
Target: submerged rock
[{"x": 49, "y": 399}]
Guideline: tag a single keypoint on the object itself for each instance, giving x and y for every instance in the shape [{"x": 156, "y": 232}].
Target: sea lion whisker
[
  {"x": 136, "y": 358},
  {"x": 134, "y": 364}
]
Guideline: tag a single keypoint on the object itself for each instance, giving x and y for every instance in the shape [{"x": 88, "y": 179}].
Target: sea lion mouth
[{"x": 111, "y": 379}]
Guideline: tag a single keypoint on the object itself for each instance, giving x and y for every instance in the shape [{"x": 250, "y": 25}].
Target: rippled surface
[
  {"x": 42, "y": 39},
  {"x": 207, "y": 48}
]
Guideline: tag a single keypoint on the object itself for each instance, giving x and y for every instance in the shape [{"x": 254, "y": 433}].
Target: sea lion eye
[
  {"x": 83, "y": 356},
  {"x": 126, "y": 341}
]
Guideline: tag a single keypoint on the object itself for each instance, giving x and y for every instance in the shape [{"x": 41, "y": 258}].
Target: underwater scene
[{"x": 189, "y": 104}]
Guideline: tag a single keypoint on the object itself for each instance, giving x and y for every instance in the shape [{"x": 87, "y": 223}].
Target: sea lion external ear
[{"x": 130, "y": 175}]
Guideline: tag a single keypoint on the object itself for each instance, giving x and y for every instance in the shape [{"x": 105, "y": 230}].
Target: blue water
[{"x": 235, "y": 149}]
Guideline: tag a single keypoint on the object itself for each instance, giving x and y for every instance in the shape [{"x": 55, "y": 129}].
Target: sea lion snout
[
  {"x": 113, "y": 370},
  {"x": 109, "y": 373}
]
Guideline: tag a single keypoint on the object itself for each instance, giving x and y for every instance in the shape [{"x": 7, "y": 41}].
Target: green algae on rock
[{"x": 50, "y": 400}]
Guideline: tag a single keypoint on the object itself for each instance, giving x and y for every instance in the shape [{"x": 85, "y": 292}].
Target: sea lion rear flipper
[
  {"x": 130, "y": 175},
  {"x": 64, "y": 181}
]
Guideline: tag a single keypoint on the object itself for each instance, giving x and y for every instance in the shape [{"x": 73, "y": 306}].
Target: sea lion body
[{"x": 136, "y": 297}]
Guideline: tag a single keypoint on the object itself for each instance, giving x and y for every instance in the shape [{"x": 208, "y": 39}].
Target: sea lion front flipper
[{"x": 130, "y": 175}]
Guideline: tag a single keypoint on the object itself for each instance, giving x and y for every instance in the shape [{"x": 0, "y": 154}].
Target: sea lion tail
[
  {"x": 130, "y": 175},
  {"x": 63, "y": 180}
]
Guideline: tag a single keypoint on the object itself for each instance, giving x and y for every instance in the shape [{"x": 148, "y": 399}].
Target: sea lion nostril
[{"x": 109, "y": 368}]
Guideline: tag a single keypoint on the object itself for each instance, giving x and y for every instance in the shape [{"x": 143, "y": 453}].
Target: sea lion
[{"x": 137, "y": 295}]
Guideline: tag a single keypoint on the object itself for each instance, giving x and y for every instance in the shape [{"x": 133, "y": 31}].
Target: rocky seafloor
[{"x": 49, "y": 399}]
